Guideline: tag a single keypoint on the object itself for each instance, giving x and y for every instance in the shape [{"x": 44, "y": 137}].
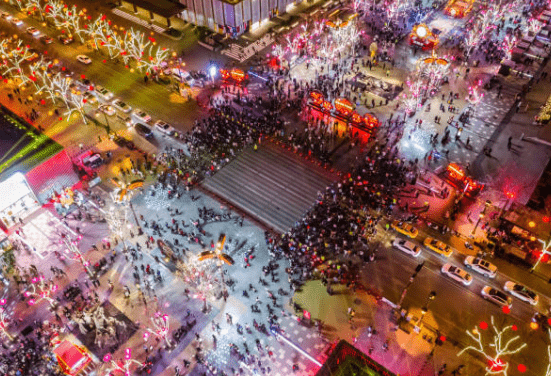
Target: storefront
[{"x": 17, "y": 200}]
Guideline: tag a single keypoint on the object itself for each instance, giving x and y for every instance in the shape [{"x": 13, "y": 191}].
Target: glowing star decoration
[
  {"x": 122, "y": 367},
  {"x": 160, "y": 328},
  {"x": 501, "y": 345}
]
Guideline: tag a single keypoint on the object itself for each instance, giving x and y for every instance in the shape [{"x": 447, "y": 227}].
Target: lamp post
[
  {"x": 425, "y": 308},
  {"x": 510, "y": 195},
  {"x": 106, "y": 121},
  {"x": 481, "y": 215}
]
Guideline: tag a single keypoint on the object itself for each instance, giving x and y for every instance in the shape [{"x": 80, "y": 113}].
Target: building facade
[{"x": 233, "y": 17}]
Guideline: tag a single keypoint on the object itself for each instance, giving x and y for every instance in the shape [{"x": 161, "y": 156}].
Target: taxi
[
  {"x": 438, "y": 246},
  {"x": 405, "y": 228}
]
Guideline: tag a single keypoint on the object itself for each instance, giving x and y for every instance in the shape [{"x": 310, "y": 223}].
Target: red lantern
[
  {"x": 506, "y": 309},
  {"x": 84, "y": 100},
  {"x": 483, "y": 325},
  {"x": 514, "y": 328},
  {"x": 42, "y": 102},
  {"x": 521, "y": 368},
  {"x": 82, "y": 76}
]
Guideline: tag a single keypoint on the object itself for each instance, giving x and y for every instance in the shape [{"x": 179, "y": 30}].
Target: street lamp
[
  {"x": 425, "y": 309},
  {"x": 481, "y": 215},
  {"x": 106, "y": 120},
  {"x": 510, "y": 195},
  {"x": 212, "y": 73}
]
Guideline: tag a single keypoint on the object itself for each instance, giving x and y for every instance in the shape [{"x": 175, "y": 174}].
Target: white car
[
  {"x": 16, "y": 21},
  {"x": 407, "y": 247},
  {"x": 90, "y": 98},
  {"x": 521, "y": 292},
  {"x": 486, "y": 268},
  {"x": 33, "y": 31},
  {"x": 119, "y": 104},
  {"x": 107, "y": 109},
  {"x": 6, "y": 16},
  {"x": 457, "y": 274},
  {"x": 165, "y": 128},
  {"x": 142, "y": 115},
  {"x": 103, "y": 93},
  {"x": 84, "y": 59},
  {"x": 496, "y": 296}
]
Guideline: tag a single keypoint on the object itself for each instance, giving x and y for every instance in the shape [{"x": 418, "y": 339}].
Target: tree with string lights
[
  {"x": 35, "y": 6},
  {"x": 160, "y": 328},
  {"x": 157, "y": 56},
  {"x": 39, "y": 289},
  {"x": 501, "y": 344},
  {"x": 54, "y": 10},
  {"x": 121, "y": 367}
]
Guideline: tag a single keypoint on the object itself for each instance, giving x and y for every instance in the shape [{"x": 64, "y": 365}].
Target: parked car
[
  {"x": 93, "y": 161},
  {"x": 90, "y": 98},
  {"x": 16, "y": 21},
  {"x": 405, "y": 228},
  {"x": 438, "y": 247},
  {"x": 120, "y": 105},
  {"x": 6, "y": 16},
  {"x": 33, "y": 31},
  {"x": 486, "y": 268},
  {"x": 142, "y": 115},
  {"x": 496, "y": 296},
  {"x": 107, "y": 109},
  {"x": 521, "y": 292},
  {"x": 46, "y": 39},
  {"x": 103, "y": 93},
  {"x": 164, "y": 127},
  {"x": 407, "y": 247},
  {"x": 84, "y": 59},
  {"x": 65, "y": 39},
  {"x": 457, "y": 274},
  {"x": 183, "y": 76},
  {"x": 143, "y": 130}
]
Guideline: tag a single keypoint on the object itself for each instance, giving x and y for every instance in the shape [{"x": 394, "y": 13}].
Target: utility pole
[{"x": 411, "y": 279}]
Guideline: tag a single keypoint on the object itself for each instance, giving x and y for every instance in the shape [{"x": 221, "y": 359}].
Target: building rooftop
[
  {"x": 163, "y": 8},
  {"x": 346, "y": 360},
  {"x": 22, "y": 147}
]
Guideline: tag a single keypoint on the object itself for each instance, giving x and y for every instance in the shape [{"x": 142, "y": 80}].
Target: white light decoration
[
  {"x": 160, "y": 329},
  {"x": 40, "y": 290},
  {"x": 4, "y": 321},
  {"x": 35, "y": 5},
  {"x": 121, "y": 367},
  {"x": 501, "y": 344},
  {"x": 54, "y": 10},
  {"x": 157, "y": 57},
  {"x": 507, "y": 45}
]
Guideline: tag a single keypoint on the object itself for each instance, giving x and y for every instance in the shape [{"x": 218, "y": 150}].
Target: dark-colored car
[{"x": 143, "y": 130}]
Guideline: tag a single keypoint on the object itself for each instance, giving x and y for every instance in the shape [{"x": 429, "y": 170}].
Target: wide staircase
[{"x": 272, "y": 184}]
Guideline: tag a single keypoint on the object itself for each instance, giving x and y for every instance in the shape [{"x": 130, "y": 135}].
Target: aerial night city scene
[{"x": 275, "y": 187}]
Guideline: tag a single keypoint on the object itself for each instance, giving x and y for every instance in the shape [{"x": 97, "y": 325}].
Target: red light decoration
[
  {"x": 483, "y": 325},
  {"x": 42, "y": 102},
  {"x": 514, "y": 328},
  {"x": 91, "y": 87},
  {"x": 521, "y": 368},
  {"x": 344, "y": 106},
  {"x": 356, "y": 118},
  {"x": 442, "y": 338},
  {"x": 496, "y": 365},
  {"x": 327, "y": 106},
  {"x": 506, "y": 310},
  {"x": 317, "y": 97},
  {"x": 545, "y": 219},
  {"x": 83, "y": 76},
  {"x": 104, "y": 61}
]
